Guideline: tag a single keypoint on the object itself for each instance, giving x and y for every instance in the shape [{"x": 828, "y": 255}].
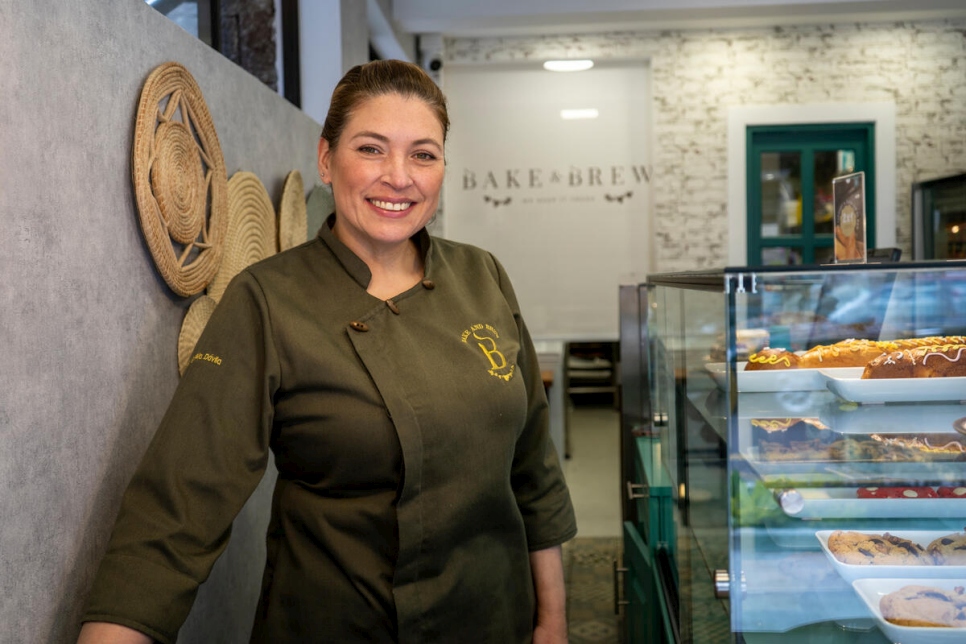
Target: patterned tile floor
[{"x": 588, "y": 569}]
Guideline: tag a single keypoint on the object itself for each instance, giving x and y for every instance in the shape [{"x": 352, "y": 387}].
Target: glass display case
[
  {"x": 939, "y": 218},
  {"x": 734, "y": 479}
]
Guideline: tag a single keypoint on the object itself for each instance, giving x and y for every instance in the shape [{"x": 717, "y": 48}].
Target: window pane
[
  {"x": 780, "y": 255},
  {"x": 191, "y": 15},
  {"x": 781, "y": 195},
  {"x": 828, "y": 165}
]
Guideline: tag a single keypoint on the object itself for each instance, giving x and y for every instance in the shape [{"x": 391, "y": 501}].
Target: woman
[{"x": 419, "y": 498}]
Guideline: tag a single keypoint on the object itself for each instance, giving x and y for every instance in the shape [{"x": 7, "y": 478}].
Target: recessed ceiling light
[
  {"x": 585, "y": 113},
  {"x": 568, "y": 65}
]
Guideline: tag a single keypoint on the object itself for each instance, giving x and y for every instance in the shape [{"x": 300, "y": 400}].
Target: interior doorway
[{"x": 789, "y": 188}]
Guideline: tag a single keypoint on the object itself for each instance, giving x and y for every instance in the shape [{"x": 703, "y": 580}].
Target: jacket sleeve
[
  {"x": 537, "y": 479},
  {"x": 206, "y": 458}
]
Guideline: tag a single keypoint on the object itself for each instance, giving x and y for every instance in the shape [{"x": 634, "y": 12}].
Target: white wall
[
  {"x": 562, "y": 203},
  {"x": 698, "y": 76},
  {"x": 333, "y": 37}
]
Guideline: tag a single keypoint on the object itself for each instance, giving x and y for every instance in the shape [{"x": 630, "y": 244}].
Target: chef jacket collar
[{"x": 354, "y": 266}]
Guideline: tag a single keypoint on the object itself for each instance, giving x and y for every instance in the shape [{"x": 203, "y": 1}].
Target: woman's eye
[
  {"x": 425, "y": 156},
  {"x": 368, "y": 149}
]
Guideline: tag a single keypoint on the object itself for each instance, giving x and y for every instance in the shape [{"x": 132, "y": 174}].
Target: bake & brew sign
[{"x": 501, "y": 187}]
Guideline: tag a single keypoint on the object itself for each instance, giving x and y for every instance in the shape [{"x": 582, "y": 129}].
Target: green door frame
[{"x": 806, "y": 140}]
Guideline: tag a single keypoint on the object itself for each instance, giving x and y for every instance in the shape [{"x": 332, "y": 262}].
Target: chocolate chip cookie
[
  {"x": 861, "y": 549},
  {"x": 925, "y": 606},
  {"x": 949, "y": 550}
]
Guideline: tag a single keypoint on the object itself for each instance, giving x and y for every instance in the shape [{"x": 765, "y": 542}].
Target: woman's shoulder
[
  {"x": 461, "y": 252},
  {"x": 301, "y": 264},
  {"x": 305, "y": 253}
]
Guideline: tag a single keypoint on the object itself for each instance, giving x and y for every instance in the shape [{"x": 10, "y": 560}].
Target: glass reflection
[
  {"x": 828, "y": 164},
  {"x": 781, "y": 194}
]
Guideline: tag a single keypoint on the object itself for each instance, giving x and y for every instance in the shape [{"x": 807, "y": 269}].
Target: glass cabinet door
[
  {"x": 688, "y": 332},
  {"x": 939, "y": 218}
]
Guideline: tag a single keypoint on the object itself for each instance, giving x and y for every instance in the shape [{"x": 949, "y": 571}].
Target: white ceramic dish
[
  {"x": 719, "y": 373},
  {"x": 850, "y": 418},
  {"x": 825, "y": 474},
  {"x": 871, "y": 591},
  {"x": 771, "y": 380},
  {"x": 894, "y": 390},
  {"x": 851, "y": 572},
  {"x": 842, "y": 503}
]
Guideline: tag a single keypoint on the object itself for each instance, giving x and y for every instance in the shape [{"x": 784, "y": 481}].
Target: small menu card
[{"x": 848, "y": 197}]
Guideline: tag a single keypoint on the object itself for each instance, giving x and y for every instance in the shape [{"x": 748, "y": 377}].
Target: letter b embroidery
[
  {"x": 486, "y": 339},
  {"x": 499, "y": 362}
]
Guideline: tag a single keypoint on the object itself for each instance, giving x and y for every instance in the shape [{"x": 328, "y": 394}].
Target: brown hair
[{"x": 378, "y": 78}]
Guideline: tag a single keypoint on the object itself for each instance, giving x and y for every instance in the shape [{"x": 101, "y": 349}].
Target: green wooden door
[{"x": 790, "y": 171}]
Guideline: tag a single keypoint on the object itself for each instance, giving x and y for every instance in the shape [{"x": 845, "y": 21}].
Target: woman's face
[{"x": 386, "y": 172}]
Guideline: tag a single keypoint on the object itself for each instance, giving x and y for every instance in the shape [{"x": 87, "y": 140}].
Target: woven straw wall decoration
[
  {"x": 194, "y": 323},
  {"x": 179, "y": 180},
  {"x": 251, "y": 232},
  {"x": 292, "y": 214}
]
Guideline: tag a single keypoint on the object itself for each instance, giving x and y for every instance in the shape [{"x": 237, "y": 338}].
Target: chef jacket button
[
  {"x": 359, "y": 326},
  {"x": 429, "y": 285},
  {"x": 392, "y": 306}
]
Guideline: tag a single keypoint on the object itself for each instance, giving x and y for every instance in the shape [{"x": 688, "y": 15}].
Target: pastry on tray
[
  {"x": 926, "y": 443},
  {"x": 769, "y": 358},
  {"x": 915, "y": 605},
  {"x": 897, "y": 492},
  {"x": 862, "y": 549},
  {"x": 847, "y": 353},
  {"x": 949, "y": 550},
  {"x": 930, "y": 341},
  {"x": 941, "y": 361}
]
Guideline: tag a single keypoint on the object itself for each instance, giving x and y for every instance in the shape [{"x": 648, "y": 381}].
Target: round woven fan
[
  {"x": 194, "y": 323},
  {"x": 179, "y": 179},
  {"x": 292, "y": 214},
  {"x": 251, "y": 232}
]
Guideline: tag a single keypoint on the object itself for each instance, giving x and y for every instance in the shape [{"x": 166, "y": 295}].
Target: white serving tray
[
  {"x": 871, "y": 591},
  {"x": 851, "y": 572},
  {"x": 842, "y": 503},
  {"x": 851, "y": 386},
  {"x": 769, "y": 380},
  {"x": 932, "y": 418}
]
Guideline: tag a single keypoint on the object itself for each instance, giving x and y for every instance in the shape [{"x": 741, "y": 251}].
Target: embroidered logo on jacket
[{"x": 485, "y": 337}]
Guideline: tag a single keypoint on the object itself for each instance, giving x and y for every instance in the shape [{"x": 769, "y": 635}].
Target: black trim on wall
[
  {"x": 214, "y": 24},
  {"x": 290, "y": 52}
]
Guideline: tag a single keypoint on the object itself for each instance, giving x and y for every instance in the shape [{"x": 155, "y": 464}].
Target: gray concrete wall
[{"x": 88, "y": 329}]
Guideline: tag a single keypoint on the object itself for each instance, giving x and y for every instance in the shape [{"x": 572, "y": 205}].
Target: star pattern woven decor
[{"x": 180, "y": 181}]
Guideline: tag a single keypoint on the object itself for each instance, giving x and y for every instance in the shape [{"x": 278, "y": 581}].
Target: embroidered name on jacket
[
  {"x": 207, "y": 357},
  {"x": 485, "y": 337}
]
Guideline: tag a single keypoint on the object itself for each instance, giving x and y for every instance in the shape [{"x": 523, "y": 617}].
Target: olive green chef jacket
[{"x": 416, "y": 472}]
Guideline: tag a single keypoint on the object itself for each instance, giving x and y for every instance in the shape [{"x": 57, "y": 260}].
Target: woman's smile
[{"x": 389, "y": 205}]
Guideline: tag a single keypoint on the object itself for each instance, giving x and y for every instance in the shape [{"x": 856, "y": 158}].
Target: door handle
[
  {"x": 632, "y": 492},
  {"x": 618, "y": 602}
]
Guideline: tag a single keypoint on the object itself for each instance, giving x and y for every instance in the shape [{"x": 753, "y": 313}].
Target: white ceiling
[{"x": 532, "y": 17}]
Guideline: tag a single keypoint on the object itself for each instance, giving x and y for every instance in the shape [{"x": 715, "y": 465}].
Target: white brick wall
[{"x": 698, "y": 75}]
